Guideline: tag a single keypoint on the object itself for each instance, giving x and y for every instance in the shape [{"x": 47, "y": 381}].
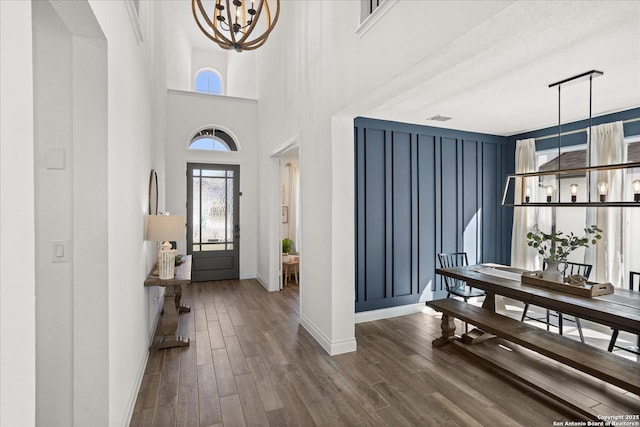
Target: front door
[{"x": 213, "y": 227}]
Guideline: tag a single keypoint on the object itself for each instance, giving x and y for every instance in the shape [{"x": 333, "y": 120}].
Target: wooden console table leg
[
  {"x": 178, "y": 296},
  {"x": 448, "y": 327},
  {"x": 169, "y": 320}
]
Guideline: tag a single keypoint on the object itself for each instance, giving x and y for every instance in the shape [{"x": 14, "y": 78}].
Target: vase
[{"x": 552, "y": 271}]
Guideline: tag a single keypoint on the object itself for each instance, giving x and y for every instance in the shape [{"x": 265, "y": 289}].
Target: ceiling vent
[{"x": 439, "y": 118}]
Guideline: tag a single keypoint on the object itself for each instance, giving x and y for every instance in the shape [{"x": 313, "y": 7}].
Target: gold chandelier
[{"x": 230, "y": 23}]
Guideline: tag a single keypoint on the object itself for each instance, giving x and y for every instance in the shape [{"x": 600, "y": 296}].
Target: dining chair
[
  {"x": 634, "y": 276},
  {"x": 456, "y": 287},
  {"x": 571, "y": 269}
]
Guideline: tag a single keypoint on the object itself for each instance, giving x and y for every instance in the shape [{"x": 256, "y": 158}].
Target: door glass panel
[
  {"x": 208, "y": 172},
  {"x": 229, "y": 210},
  {"x": 213, "y": 222},
  {"x": 216, "y": 247},
  {"x": 196, "y": 210}
]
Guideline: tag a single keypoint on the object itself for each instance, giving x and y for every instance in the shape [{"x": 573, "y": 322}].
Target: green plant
[
  {"x": 557, "y": 246},
  {"x": 286, "y": 246}
]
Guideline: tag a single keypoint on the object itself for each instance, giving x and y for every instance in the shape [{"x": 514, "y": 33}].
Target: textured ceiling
[{"x": 503, "y": 89}]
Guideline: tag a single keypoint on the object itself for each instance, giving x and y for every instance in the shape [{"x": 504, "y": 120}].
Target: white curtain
[
  {"x": 524, "y": 218},
  {"x": 607, "y": 148},
  {"x": 294, "y": 205}
]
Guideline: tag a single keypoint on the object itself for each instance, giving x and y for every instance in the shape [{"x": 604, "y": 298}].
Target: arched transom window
[
  {"x": 208, "y": 81},
  {"x": 213, "y": 140}
]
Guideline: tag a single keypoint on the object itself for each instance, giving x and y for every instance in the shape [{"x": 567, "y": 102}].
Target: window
[
  {"x": 208, "y": 81},
  {"x": 212, "y": 140},
  {"x": 371, "y": 11},
  {"x": 574, "y": 219}
]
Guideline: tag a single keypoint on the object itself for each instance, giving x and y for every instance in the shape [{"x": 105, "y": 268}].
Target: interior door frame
[{"x": 275, "y": 244}]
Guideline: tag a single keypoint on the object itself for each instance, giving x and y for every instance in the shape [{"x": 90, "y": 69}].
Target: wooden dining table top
[{"x": 620, "y": 310}]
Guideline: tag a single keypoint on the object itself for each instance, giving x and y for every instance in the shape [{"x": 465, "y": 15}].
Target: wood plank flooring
[{"x": 250, "y": 363}]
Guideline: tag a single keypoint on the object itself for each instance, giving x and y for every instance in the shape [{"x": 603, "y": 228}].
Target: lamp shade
[{"x": 165, "y": 228}]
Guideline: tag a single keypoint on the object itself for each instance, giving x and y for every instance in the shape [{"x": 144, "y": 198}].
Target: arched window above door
[
  {"x": 212, "y": 140},
  {"x": 208, "y": 81}
]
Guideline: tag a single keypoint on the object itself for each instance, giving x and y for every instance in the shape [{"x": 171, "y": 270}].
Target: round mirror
[{"x": 153, "y": 193}]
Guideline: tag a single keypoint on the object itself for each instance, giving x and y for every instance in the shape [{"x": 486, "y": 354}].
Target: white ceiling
[{"x": 494, "y": 78}]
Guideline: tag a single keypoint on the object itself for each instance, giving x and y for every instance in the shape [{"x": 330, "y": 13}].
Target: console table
[{"x": 171, "y": 307}]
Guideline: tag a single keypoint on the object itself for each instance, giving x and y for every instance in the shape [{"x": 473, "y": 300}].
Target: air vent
[{"x": 439, "y": 118}]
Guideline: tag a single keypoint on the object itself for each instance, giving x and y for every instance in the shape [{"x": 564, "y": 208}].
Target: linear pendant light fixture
[
  {"x": 525, "y": 181},
  {"x": 236, "y": 24}
]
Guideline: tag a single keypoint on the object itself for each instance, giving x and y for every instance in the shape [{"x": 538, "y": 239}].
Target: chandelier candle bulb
[
  {"x": 574, "y": 192},
  {"x": 549, "y": 193},
  {"x": 635, "y": 185},
  {"x": 527, "y": 194},
  {"x": 603, "y": 188}
]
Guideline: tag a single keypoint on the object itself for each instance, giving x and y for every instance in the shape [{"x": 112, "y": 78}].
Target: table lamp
[{"x": 165, "y": 228}]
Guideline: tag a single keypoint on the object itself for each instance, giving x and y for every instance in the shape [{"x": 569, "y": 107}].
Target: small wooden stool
[{"x": 290, "y": 267}]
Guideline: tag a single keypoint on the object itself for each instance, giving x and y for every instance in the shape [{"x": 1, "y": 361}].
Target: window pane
[
  {"x": 229, "y": 210},
  {"x": 219, "y": 145},
  {"x": 196, "y": 210},
  {"x": 202, "y": 82},
  {"x": 212, "y": 173},
  {"x": 202, "y": 144},
  {"x": 214, "y": 219},
  {"x": 208, "y": 81},
  {"x": 216, "y": 247},
  {"x": 215, "y": 85},
  {"x": 208, "y": 143}
]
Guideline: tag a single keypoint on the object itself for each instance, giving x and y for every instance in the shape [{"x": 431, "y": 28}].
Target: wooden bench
[{"x": 598, "y": 363}]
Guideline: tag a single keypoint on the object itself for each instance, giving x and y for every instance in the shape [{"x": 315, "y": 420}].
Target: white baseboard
[
  {"x": 387, "y": 313},
  {"x": 136, "y": 389},
  {"x": 247, "y": 275},
  {"x": 332, "y": 347},
  {"x": 264, "y": 282}
]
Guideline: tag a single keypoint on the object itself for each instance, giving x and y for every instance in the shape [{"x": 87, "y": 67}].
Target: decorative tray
[{"x": 588, "y": 289}]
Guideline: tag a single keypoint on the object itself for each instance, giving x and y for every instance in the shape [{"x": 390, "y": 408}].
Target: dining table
[{"x": 619, "y": 310}]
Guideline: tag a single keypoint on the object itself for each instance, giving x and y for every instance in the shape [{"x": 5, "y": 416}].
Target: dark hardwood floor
[{"x": 250, "y": 363}]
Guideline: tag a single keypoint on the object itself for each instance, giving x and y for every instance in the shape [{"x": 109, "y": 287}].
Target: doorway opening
[{"x": 290, "y": 230}]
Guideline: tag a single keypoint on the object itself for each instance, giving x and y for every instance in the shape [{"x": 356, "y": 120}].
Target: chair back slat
[
  {"x": 574, "y": 268},
  {"x": 451, "y": 260}
]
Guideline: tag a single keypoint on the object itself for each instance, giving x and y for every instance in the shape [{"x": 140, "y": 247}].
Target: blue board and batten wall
[{"x": 420, "y": 191}]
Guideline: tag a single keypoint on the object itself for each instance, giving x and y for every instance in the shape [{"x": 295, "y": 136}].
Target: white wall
[
  {"x": 17, "y": 247},
  {"x": 178, "y": 63},
  {"x": 190, "y": 112},
  {"x": 130, "y": 158},
  {"x": 53, "y": 111},
  {"x": 241, "y": 74},
  {"x": 315, "y": 75}
]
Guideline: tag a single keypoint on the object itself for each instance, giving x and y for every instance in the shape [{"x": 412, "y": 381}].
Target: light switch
[{"x": 60, "y": 250}]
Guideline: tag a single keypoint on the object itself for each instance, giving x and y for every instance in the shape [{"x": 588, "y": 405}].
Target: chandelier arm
[
  {"x": 220, "y": 39},
  {"x": 264, "y": 36},
  {"x": 254, "y": 20},
  {"x": 232, "y": 33}
]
